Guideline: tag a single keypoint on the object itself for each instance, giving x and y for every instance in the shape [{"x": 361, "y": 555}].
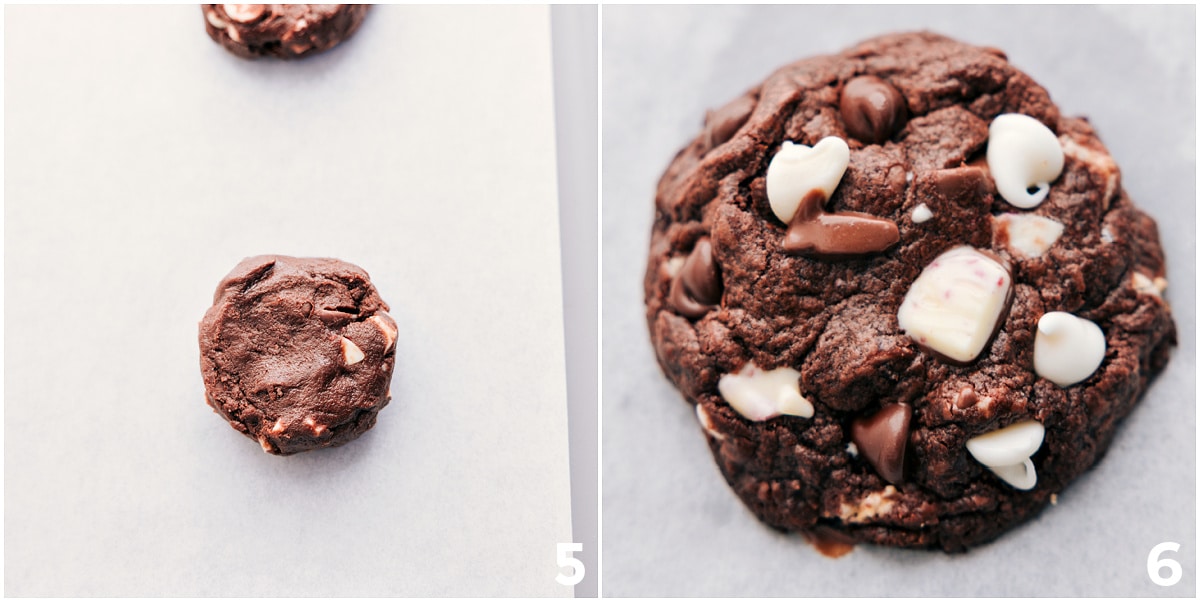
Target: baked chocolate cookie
[
  {"x": 281, "y": 30},
  {"x": 297, "y": 353},
  {"x": 909, "y": 300}
]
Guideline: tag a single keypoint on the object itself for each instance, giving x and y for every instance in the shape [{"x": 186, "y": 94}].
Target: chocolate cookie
[
  {"x": 297, "y": 353},
  {"x": 281, "y": 30},
  {"x": 909, "y": 300}
]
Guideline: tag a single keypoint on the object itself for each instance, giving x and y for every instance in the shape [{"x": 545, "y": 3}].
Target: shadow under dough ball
[
  {"x": 297, "y": 353},
  {"x": 281, "y": 30}
]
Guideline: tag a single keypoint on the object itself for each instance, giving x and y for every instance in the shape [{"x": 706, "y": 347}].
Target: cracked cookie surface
[
  {"x": 297, "y": 353},
  {"x": 733, "y": 309}
]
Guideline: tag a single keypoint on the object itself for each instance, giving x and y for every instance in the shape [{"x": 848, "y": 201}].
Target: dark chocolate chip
[
  {"x": 813, "y": 230},
  {"x": 697, "y": 288},
  {"x": 882, "y": 438},
  {"x": 872, "y": 109}
]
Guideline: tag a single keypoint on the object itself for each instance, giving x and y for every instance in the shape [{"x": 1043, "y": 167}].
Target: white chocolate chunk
[
  {"x": 316, "y": 428},
  {"x": 1007, "y": 452},
  {"x": 388, "y": 327},
  {"x": 674, "y": 265},
  {"x": 921, "y": 213},
  {"x": 214, "y": 20},
  {"x": 1021, "y": 154},
  {"x": 1030, "y": 235},
  {"x": 869, "y": 506},
  {"x": 351, "y": 353},
  {"x": 852, "y": 449},
  {"x": 706, "y": 422},
  {"x": 278, "y": 426},
  {"x": 266, "y": 446},
  {"x": 797, "y": 170},
  {"x": 243, "y": 13},
  {"x": 1106, "y": 236},
  {"x": 1067, "y": 349},
  {"x": 955, "y": 303},
  {"x": 760, "y": 395},
  {"x": 1144, "y": 285}
]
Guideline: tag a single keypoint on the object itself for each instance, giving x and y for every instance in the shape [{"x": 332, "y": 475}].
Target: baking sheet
[
  {"x": 671, "y": 526},
  {"x": 142, "y": 162}
]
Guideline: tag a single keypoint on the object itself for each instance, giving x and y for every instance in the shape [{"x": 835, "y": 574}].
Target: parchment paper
[
  {"x": 142, "y": 162},
  {"x": 671, "y": 526}
]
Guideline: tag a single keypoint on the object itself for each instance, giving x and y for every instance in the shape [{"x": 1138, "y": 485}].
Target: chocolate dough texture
[
  {"x": 863, "y": 438},
  {"x": 281, "y": 30},
  {"x": 297, "y": 353}
]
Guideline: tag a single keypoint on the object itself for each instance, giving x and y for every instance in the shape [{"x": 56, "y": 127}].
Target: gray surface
[
  {"x": 575, "y": 30},
  {"x": 671, "y": 527},
  {"x": 142, "y": 161}
]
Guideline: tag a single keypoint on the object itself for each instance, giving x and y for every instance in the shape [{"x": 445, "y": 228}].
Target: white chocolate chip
[
  {"x": 351, "y": 353},
  {"x": 870, "y": 506},
  {"x": 1096, "y": 160},
  {"x": 388, "y": 327},
  {"x": 674, "y": 265},
  {"x": 1106, "y": 236},
  {"x": 760, "y": 395},
  {"x": 1144, "y": 285},
  {"x": 1022, "y": 476},
  {"x": 233, "y": 34},
  {"x": 954, "y": 305},
  {"x": 278, "y": 427},
  {"x": 908, "y": 177},
  {"x": 1008, "y": 451},
  {"x": 706, "y": 422},
  {"x": 1054, "y": 499},
  {"x": 921, "y": 213},
  {"x": 1067, "y": 349},
  {"x": 1030, "y": 235},
  {"x": 798, "y": 170},
  {"x": 266, "y": 446},
  {"x": 1023, "y": 153},
  {"x": 852, "y": 449}
]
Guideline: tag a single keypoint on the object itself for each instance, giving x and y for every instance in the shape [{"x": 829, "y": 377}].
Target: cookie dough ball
[
  {"x": 908, "y": 298},
  {"x": 297, "y": 353},
  {"x": 281, "y": 30}
]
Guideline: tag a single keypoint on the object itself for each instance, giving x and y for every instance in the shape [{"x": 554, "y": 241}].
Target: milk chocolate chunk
[
  {"x": 813, "y": 230},
  {"x": 961, "y": 185},
  {"x": 281, "y": 373},
  {"x": 696, "y": 289},
  {"x": 966, "y": 398},
  {"x": 882, "y": 439},
  {"x": 872, "y": 109}
]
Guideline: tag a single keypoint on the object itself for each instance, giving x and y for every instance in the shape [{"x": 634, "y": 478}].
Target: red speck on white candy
[
  {"x": 979, "y": 273},
  {"x": 1000, "y": 282},
  {"x": 946, "y": 294}
]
